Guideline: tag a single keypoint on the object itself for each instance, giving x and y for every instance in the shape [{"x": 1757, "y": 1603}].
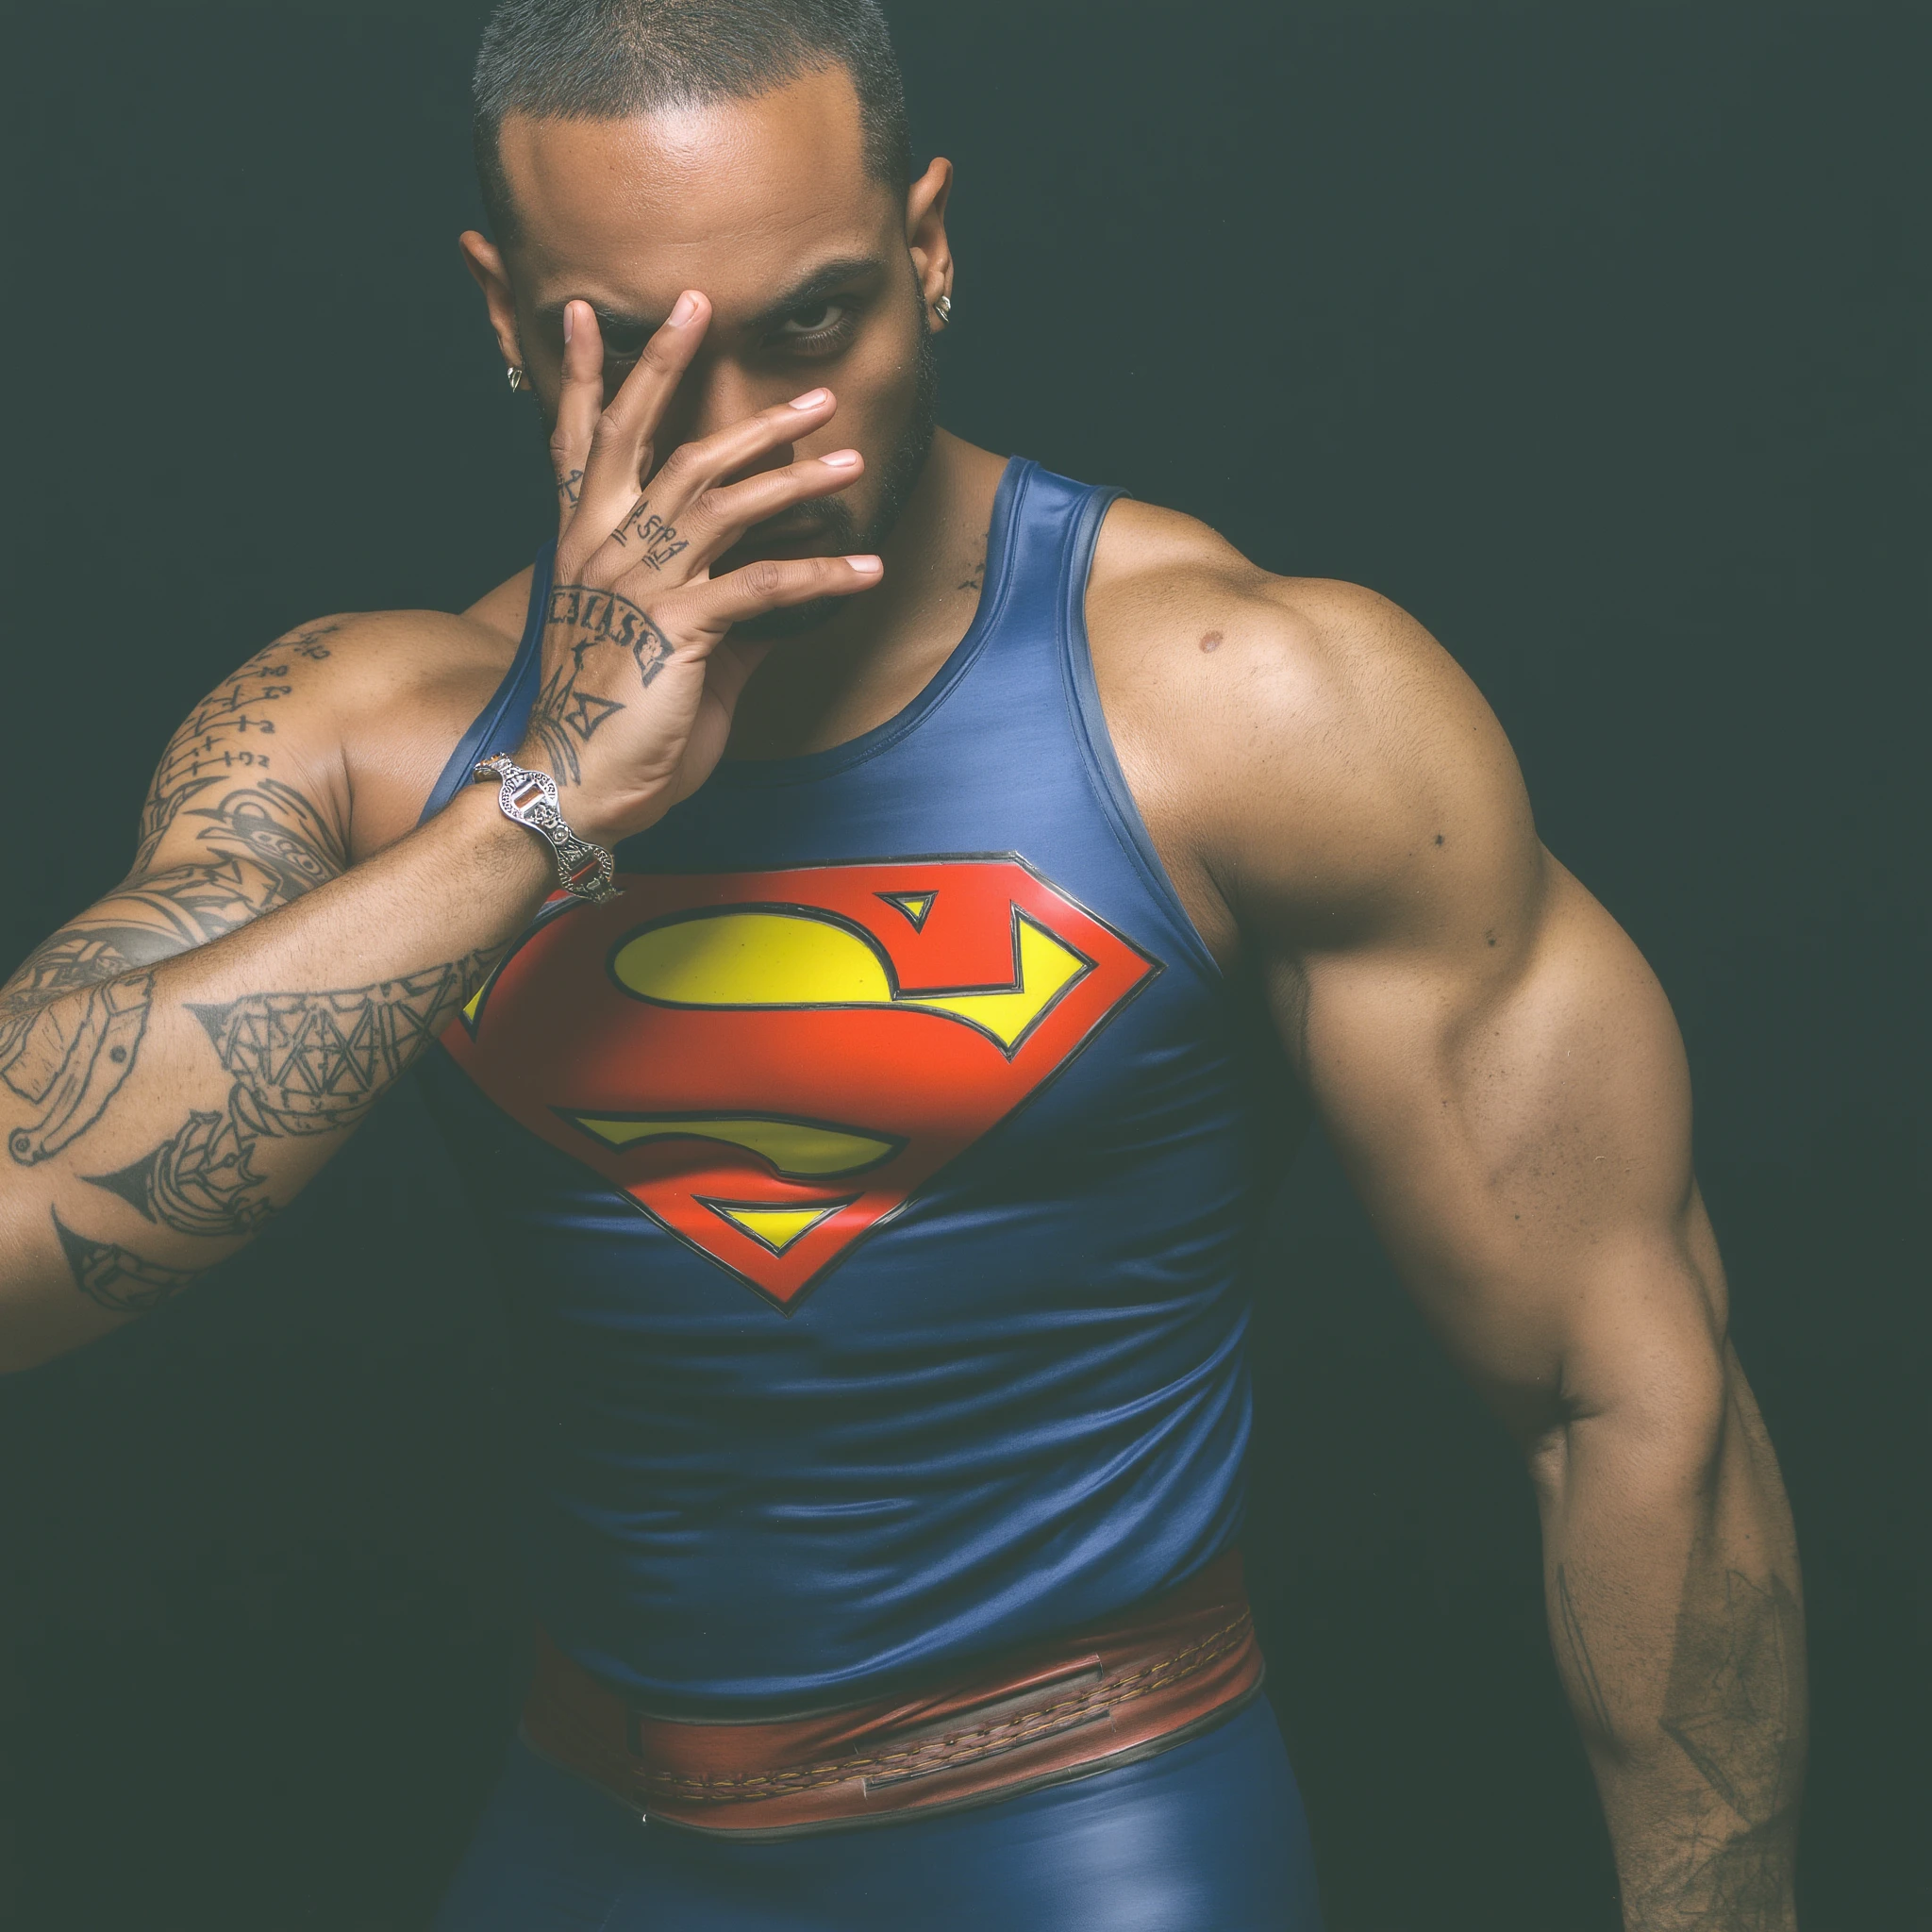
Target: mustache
[{"x": 803, "y": 523}]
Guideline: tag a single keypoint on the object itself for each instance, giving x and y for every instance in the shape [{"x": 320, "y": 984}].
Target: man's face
[{"x": 765, "y": 206}]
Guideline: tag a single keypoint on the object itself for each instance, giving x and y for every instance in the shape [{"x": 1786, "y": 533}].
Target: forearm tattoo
[
  {"x": 117, "y": 1279},
  {"x": 73, "y": 1017},
  {"x": 302, "y": 1063},
  {"x": 586, "y": 621},
  {"x": 1722, "y": 1859},
  {"x": 68, "y": 1058}
]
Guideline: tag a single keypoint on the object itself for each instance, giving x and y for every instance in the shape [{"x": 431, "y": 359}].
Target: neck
[{"x": 870, "y": 660}]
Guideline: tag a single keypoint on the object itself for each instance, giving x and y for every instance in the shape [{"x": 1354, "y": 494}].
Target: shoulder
[{"x": 1315, "y": 752}]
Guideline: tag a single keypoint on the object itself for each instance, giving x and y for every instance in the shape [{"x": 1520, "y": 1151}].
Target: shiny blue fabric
[
  {"x": 1020, "y": 1402},
  {"x": 1209, "y": 1837}
]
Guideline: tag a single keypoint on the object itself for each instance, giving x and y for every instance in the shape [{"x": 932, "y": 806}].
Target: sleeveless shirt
[{"x": 877, "y": 1181}]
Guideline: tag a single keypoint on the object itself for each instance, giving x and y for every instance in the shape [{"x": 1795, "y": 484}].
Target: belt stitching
[{"x": 948, "y": 1749}]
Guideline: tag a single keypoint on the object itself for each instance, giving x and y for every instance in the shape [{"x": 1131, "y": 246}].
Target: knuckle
[
  {"x": 610, "y": 421},
  {"x": 764, "y": 577}
]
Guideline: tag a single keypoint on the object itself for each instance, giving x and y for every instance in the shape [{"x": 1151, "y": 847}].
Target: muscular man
[{"x": 875, "y": 1142}]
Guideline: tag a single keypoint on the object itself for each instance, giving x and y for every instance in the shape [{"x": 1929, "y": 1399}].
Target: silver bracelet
[{"x": 529, "y": 798}]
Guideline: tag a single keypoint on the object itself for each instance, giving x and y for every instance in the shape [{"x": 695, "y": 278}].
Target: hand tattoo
[
  {"x": 565, "y": 715},
  {"x": 563, "y": 718},
  {"x": 660, "y": 541},
  {"x": 569, "y": 486},
  {"x": 117, "y": 1279}
]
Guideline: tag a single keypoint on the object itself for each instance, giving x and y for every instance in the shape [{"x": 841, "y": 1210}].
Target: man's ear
[
  {"x": 484, "y": 260},
  {"x": 926, "y": 232}
]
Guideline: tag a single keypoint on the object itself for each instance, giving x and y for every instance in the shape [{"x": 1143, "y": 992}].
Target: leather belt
[{"x": 1137, "y": 1683}]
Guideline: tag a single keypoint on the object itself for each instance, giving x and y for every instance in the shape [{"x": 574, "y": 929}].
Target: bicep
[{"x": 1519, "y": 1128}]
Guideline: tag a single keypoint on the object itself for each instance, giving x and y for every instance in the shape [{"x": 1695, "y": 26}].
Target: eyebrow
[{"x": 823, "y": 280}]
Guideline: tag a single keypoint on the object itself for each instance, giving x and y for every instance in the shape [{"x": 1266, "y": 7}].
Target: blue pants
[{"x": 1208, "y": 1837}]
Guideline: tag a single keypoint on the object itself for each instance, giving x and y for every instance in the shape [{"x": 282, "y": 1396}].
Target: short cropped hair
[{"x": 609, "y": 59}]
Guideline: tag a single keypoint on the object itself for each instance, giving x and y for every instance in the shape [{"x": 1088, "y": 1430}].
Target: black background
[{"x": 1587, "y": 333}]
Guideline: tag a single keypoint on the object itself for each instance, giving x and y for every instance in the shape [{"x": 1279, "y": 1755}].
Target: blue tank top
[{"x": 877, "y": 1180}]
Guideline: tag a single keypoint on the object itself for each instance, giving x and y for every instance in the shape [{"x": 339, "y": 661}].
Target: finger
[
  {"x": 619, "y": 446},
  {"x": 773, "y": 583},
  {"x": 719, "y": 517},
  {"x": 579, "y": 403},
  {"x": 695, "y": 467}
]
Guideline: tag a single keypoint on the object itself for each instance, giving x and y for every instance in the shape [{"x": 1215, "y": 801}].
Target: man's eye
[{"x": 816, "y": 319}]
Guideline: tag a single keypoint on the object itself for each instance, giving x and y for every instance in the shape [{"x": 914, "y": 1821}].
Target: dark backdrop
[{"x": 1586, "y": 333}]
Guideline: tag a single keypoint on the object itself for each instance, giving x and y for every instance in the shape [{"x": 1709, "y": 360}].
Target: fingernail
[
  {"x": 841, "y": 460},
  {"x": 866, "y": 566},
  {"x": 811, "y": 399},
  {"x": 570, "y": 321},
  {"x": 687, "y": 306}
]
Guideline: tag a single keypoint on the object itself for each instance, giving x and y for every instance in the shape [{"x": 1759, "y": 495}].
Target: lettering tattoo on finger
[
  {"x": 658, "y": 540},
  {"x": 569, "y": 485}
]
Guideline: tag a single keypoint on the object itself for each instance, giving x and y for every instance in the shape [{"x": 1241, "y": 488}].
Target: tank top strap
[
  {"x": 499, "y": 725},
  {"x": 1042, "y": 582}
]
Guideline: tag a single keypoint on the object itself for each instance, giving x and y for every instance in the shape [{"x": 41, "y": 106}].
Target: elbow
[{"x": 1665, "y": 1419}]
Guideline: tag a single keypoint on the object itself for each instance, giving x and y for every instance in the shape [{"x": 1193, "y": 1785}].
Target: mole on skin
[{"x": 1211, "y": 641}]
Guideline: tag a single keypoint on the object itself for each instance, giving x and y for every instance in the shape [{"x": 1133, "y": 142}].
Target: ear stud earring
[
  {"x": 944, "y": 309},
  {"x": 517, "y": 378}
]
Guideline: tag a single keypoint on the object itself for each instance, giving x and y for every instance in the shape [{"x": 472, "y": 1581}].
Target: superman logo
[{"x": 771, "y": 1064}]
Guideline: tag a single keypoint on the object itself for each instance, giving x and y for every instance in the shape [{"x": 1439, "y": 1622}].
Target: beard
[{"x": 842, "y": 533}]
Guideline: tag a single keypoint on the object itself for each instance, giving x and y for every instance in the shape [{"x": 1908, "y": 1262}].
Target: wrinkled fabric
[
  {"x": 1208, "y": 1837},
  {"x": 791, "y": 1433}
]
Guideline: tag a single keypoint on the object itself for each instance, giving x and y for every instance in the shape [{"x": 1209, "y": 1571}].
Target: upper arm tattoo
[
  {"x": 73, "y": 1018},
  {"x": 226, "y": 735}
]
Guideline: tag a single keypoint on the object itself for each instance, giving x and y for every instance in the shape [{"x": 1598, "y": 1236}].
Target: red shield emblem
[{"x": 769, "y": 1065}]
